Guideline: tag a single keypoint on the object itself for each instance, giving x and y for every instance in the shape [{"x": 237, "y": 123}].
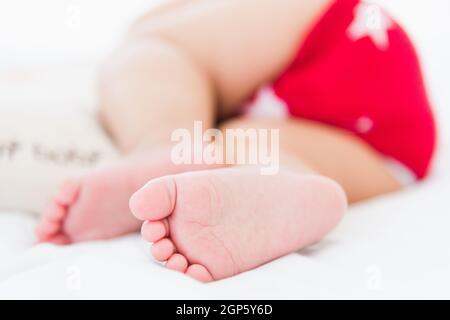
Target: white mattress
[{"x": 392, "y": 247}]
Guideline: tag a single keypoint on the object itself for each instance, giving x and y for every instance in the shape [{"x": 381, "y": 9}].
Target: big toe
[
  {"x": 46, "y": 228},
  {"x": 68, "y": 192},
  {"x": 155, "y": 201}
]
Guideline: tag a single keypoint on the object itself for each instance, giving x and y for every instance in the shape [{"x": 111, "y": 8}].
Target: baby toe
[
  {"x": 154, "y": 231},
  {"x": 200, "y": 273},
  {"x": 163, "y": 249},
  {"x": 177, "y": 262}
]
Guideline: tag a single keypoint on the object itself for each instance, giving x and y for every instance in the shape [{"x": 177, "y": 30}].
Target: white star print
[
  {"x": 370, "y": 21},
  {"x": 268, "y": 105}
]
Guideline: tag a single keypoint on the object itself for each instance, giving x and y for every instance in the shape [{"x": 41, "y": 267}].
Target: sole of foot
[{"x": 215, "y": 224}]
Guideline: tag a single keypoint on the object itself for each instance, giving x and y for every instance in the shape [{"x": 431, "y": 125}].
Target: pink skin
[
  {"x": 217, "y": 223},
  {"x": 96, "y": 206}
]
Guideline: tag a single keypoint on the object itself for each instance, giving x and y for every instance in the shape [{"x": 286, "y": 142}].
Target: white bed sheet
[
  {"x": 396, "y": 247},
  {"x": 392, "y": 247}
]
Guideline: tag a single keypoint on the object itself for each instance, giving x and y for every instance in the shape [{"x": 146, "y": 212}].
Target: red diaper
[{"x": 358, "y": 70}]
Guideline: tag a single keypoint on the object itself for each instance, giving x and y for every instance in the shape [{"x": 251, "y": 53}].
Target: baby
[{"x": 351, "y": 103}]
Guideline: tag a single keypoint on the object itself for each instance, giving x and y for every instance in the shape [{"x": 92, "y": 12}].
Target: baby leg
[{"x": 198, "y": 60}]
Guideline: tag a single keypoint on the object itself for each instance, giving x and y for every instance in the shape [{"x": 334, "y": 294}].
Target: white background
[
  {"x": 395, "y": 247},
  {"x": 78, "y": 30}
]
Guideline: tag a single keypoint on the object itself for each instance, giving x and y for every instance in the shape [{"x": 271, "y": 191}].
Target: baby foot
[
  {"x": 96, "y": 206},
  {"x": 218, "y": 223},
  {"x": 50, "y": 227},
  {"x": 91, "y": 208}
]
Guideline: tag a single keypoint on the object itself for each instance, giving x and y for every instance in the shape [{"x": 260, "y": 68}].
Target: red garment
[{"x": 358, "y": 70}]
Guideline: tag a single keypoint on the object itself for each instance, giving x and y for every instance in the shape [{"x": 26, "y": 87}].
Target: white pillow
[{"x": 40, "y": 149}]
